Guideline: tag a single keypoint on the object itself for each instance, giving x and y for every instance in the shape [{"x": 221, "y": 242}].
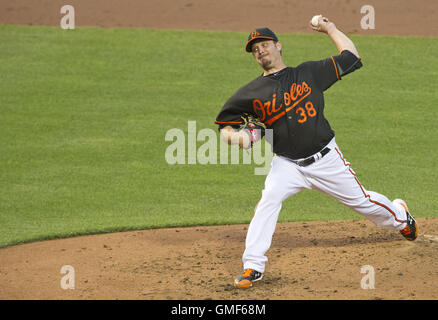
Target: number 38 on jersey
[{"x": 308, "y": 111}]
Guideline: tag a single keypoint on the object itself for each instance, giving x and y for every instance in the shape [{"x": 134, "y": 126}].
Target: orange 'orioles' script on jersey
[{"x": 268, "y": 111}]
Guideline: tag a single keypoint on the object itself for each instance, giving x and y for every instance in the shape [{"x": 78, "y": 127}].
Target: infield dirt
[
  {"x": 307, "y": 260},
  {"x": 392, "y": 17}
]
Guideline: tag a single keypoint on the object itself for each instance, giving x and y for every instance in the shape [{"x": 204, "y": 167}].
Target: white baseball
[{"x": 315, "y": 20}]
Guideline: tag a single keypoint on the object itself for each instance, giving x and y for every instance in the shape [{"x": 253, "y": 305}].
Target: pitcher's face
[{"x": 267, "y": 53}]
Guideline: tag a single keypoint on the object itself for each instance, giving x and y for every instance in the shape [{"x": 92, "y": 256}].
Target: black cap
[{"x": 260, "y": 33}]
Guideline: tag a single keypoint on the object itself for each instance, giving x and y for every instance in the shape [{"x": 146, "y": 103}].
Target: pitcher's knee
[{"x": 272, "y": 196}]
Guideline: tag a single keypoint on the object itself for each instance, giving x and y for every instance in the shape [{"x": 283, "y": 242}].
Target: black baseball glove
[{"x": 254, "y": 127}]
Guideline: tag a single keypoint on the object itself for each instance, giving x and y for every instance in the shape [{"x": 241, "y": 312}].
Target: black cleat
[{"x": 410, "y": 232}]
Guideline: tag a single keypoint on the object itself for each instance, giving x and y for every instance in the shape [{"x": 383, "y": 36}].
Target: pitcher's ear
[{"x": 279, "y": 47}]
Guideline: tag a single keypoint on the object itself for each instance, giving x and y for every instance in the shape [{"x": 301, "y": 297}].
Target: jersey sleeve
[
  {"x": 231, "y": 112},
  {"x": 346, "y": 63},
  {"x": 326, "y": 72}
]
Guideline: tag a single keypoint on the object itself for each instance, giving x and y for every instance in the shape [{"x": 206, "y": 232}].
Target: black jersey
[{"x": 291, "y": 102}]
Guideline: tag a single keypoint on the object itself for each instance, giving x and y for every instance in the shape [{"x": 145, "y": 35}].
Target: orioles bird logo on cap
[{"x": 254, "y": 34}]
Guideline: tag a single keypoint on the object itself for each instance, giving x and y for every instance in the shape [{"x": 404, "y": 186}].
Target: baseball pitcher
[{"x": 290, "y": 101}]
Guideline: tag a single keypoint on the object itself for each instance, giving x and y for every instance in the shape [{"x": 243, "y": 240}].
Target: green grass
[{"x": 84, "y": 114}]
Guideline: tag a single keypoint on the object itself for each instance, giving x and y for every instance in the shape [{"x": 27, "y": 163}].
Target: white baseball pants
[{"x": 331, "y": 175}]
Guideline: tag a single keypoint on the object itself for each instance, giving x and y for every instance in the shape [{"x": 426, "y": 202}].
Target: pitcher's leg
[
  {"x": 283, "y": 181},
  {"x": 333, "y": 175}
]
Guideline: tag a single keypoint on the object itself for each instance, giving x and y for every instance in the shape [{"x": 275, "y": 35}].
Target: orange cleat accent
[{"x": 247, "y": 279}]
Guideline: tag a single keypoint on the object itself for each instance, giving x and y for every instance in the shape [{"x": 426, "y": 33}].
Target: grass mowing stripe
[{"x": 84, "y": 114}]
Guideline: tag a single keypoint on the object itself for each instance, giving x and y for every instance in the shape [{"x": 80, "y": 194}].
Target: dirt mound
[{"x": 307, "y": 260}]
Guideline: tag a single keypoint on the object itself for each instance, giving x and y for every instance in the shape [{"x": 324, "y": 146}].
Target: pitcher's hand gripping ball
[
  {"x": 315, "y": 20},
  {"x": 253, "y": 127}
]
